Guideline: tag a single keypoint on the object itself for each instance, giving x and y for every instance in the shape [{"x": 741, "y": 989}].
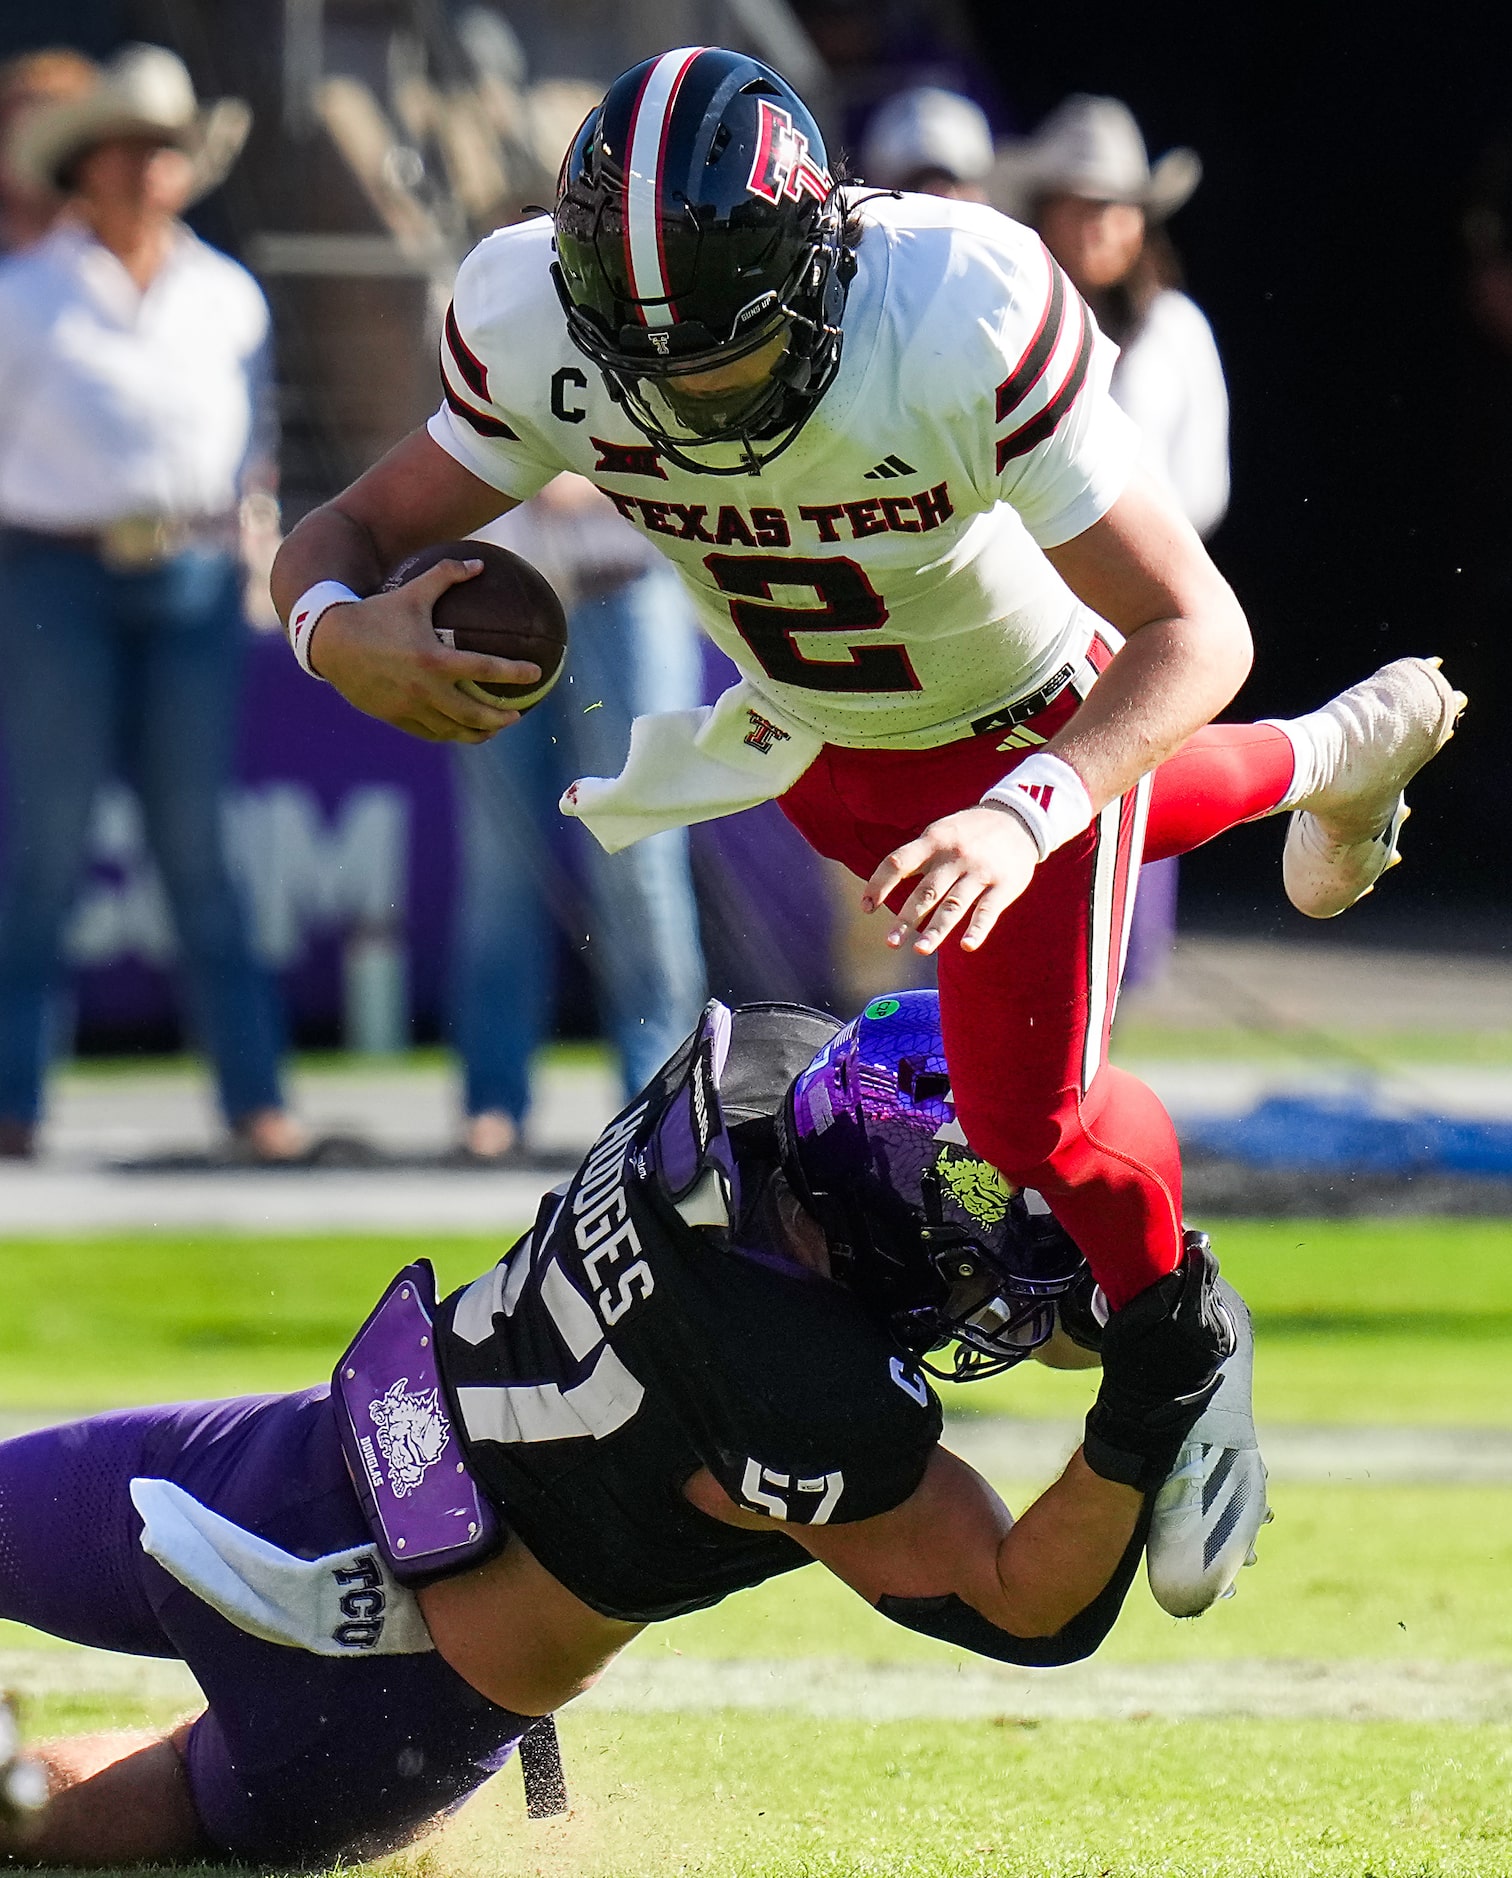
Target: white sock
[{"x": 1313, "y": 739}]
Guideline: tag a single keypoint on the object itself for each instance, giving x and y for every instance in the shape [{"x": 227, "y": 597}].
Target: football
[{"x": 509, "y": 610}]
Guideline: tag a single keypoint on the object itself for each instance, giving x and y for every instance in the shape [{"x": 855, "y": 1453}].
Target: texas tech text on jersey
[{"x": 875, "y": 618}]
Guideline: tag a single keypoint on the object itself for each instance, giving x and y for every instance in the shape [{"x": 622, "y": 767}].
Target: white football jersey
[{"x": 880, "y": 582}]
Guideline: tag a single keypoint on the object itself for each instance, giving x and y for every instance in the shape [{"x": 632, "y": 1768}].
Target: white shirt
[
  {"x": 115, "y": 402},
  {"x": 1170, "y": 381},
  {"x": 882, "y": 581}
]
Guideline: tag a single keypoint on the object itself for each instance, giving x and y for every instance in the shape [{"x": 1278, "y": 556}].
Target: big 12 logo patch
[{"x": 782, "y": 165}]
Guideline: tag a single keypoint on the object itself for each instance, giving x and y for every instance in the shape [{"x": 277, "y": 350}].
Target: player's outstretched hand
[
  {"x": 969, "y": 866},
  {"x": 383, "y": 656}
]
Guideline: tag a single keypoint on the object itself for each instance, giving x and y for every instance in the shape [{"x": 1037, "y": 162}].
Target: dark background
[
  {"x": 1372, "y": 423},
  {"x": 1372, "y": 420}
]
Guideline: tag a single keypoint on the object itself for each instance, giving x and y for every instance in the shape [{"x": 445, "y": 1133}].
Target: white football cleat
[
  {"x": 1370, "y": 742},
  {"x": 1209, "y": 1512}
]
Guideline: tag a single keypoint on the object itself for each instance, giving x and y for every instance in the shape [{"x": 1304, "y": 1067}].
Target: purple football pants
[{"x": 298, "y": 1757}]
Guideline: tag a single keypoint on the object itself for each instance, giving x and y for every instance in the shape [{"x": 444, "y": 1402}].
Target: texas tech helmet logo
[{"x": 783, "y": 166}]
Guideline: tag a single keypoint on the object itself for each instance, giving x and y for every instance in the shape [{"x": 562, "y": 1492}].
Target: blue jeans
[
  {"x": 137, "y": 675},
  {"x": 634, "y": 650}
]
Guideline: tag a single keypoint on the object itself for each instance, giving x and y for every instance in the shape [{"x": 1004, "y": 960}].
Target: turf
[
  {"x": 1364, "y": 1321},
  {"x": 1137, "y": 1045},
  {"x": 1395, "y": 1573},
  {"x": 1359, "y": 1321},
  {"x": 780, "y": 1798},
  {"x": 97, "y": 1322},
  {"x": 756, "y": 1796}
]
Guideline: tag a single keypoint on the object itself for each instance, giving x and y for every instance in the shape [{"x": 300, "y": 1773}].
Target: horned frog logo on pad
[
  {"x": 976, "y": 1187},
  {"x": 412, "y": 1430}
]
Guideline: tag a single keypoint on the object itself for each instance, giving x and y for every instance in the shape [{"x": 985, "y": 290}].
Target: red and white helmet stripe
[{"x": 650, "y": 121}]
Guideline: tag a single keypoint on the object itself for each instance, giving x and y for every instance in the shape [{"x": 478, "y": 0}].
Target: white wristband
[
  {"x": 306, "y": 613},
  {"x": 1048, "y": 797}
]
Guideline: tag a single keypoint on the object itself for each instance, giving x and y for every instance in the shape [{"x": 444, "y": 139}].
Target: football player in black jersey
[{"x": 702, "y": 1366}]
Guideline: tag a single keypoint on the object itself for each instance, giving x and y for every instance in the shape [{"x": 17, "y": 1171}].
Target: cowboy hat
[
  {"x": 1091, "y": 147},
  {"x": 144, "y": 91},
  {"x": 926, "y": 129}
]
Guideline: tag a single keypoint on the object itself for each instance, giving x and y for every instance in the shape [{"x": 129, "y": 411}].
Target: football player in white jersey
[{"x": 873, "y": 433}]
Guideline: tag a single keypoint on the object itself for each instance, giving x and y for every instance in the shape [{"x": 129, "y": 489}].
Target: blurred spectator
[
  {"x": 1086, "y": 182},
  {"x": 34, "y": 79},
  {"x": 635, "y": 649},
  {"x": 130, "y": 363},
  {"x": 931, "y": 141},
  {"x": 1487, "y": 229}
]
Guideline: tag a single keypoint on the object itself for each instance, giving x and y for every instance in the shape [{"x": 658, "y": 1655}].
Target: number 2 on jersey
[{"x": 848, "y": 602}]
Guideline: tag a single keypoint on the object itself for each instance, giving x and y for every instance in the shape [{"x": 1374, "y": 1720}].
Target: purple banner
[{"x": 341, "y": 832}]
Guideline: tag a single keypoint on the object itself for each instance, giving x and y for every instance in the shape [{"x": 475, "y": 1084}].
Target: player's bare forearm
[
  {"x": 1187, "y": 650},
  {"x": 1067, "y": 1545},
  {"x": 413, "y": 496},
  {"x": 1168, "y": 680},
  {"x": 955, "y": 1536},
  {"x": 381, "y": 653}
]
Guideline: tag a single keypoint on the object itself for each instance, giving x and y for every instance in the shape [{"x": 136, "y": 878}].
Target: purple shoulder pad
[{"x": 427, "y": 1512}]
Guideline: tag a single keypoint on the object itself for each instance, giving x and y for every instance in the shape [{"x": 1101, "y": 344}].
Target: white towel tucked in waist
[
  {"x": 345, "y": 1604},
  {"x": 692, "y": 766}
]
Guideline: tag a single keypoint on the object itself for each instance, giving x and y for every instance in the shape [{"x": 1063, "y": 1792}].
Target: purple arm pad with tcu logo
[{"x": 429, "y": 1516}]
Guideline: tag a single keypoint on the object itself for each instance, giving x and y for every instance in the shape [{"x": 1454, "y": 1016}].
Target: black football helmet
[{"x": 697, "y": 225}]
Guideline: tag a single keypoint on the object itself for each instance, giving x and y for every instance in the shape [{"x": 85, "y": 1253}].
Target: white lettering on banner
[
  {"x": 302, "y": 871},
  {"x": 122, "y": 911}
]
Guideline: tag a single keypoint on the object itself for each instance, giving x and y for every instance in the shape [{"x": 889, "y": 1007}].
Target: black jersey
[{"x": 646, "y": 1327}]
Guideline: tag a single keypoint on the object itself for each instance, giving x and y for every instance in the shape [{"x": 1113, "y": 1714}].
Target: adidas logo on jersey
[
  {"x": 889, "y": 467},
  {"x": 1022, "y": 739}
]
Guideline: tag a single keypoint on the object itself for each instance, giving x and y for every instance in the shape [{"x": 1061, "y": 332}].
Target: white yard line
[
  {"x": 1005, "y": 1448},
  {"x": 44, "y": 1199},
  {"x": 840, "y": 1689},
  {"x": 1259, "y": 1688}
]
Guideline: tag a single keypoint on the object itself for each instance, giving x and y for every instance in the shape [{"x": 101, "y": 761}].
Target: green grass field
[{"x": 1358, "y": 1323}]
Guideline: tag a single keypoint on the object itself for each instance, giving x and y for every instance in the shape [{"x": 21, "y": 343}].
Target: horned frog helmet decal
[
  {"x": 976, "y": 1187},
  {"x": 929, "y": 1236}
]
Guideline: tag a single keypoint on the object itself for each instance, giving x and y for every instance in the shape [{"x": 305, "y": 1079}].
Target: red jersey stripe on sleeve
[
  {"x": 480, "y": 421},
  {"x": 1037, "y": 354},
  {"x": 470, "y": 368},
  {"x": 459, "y": 359},
  {"x": 1036, "y": 429}
]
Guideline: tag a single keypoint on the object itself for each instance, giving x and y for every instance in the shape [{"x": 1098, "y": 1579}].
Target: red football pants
[{"x": 1026, "y": 1017}]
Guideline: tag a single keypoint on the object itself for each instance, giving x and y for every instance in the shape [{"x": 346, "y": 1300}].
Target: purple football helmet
[{"x": 924, "y": 1230}]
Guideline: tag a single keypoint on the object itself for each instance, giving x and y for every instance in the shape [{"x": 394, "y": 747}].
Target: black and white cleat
[{"x": 1209, "y": 1512}]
